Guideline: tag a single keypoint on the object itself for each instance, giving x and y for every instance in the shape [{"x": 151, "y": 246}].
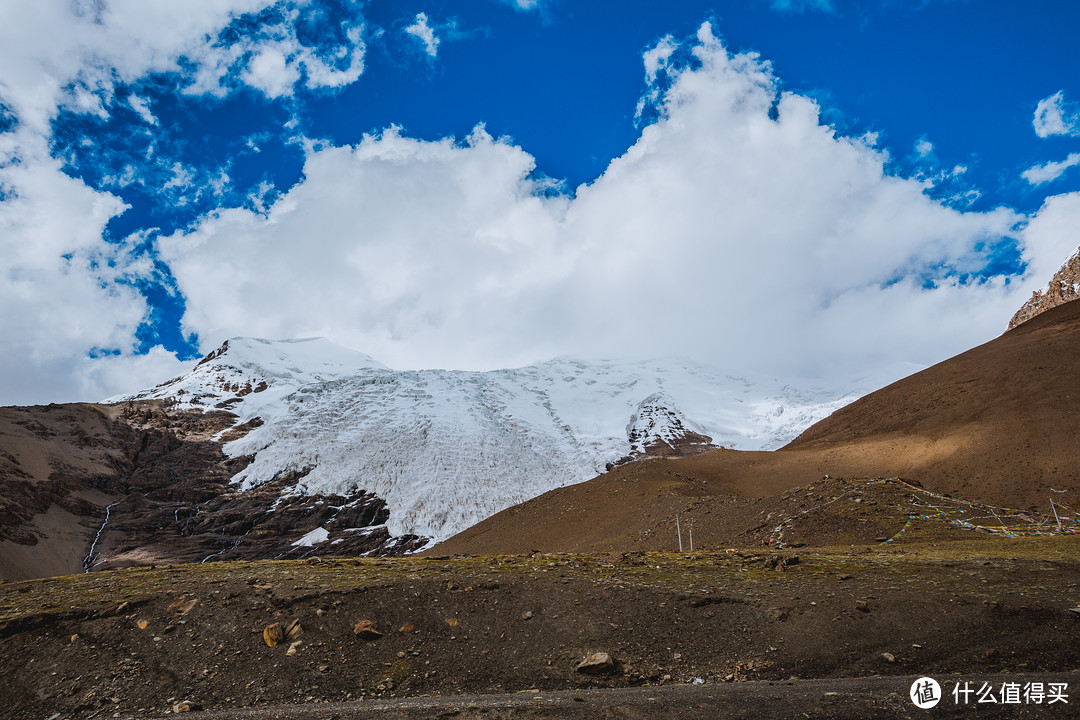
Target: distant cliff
[{"x": 1064, "y": 287}]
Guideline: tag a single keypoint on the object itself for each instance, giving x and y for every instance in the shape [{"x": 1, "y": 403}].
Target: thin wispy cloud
[
  {"x": 1050, "y": 171},
  {"x": 423, "y": 32}
]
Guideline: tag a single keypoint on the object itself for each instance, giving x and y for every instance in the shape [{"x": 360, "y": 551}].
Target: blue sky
[{"x": 172, "y": 176}]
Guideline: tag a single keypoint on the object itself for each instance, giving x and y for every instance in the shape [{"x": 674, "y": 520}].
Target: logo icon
[{"x": 925, "y": 693}]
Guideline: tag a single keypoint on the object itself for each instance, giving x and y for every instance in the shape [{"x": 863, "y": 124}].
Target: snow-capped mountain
[{"x": 446, "y": 449}]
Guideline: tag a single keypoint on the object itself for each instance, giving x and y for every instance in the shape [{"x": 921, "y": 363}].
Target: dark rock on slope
[{"x": 94, "y": 486}]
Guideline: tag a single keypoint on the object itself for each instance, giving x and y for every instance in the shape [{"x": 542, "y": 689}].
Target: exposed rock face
[
  {"x": 658, "y": 428},
  {"x": 92, "y": 487},
  {"x": 1064, "y": 287}
]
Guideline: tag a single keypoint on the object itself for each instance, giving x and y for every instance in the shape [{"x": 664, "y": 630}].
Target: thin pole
[
  {"x": 1055, "y": 514},
  {"x": 679, "y": 529},
  {"x": 691, "y": 538}
]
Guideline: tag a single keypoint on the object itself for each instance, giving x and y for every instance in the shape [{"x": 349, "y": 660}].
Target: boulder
[{"x": 596, "y": 664}]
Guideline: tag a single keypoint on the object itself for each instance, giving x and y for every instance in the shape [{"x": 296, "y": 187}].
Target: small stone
[
  {"x": 292, "y": 647},
  {"x": 452, "y": 622},
  {"x": 917, "y": 646},
  {"x": 527, "y": 615},
  {"x": 320, "y": 612},
  {"x": 406, "y": 628},
  {"x": 142, "y": 624},
  {"x": 401, "y": 653},
  {"x": 778, "y": 614},
  {"x": 888, "y": 657},
  {"x": 184, "y": 706},
  {"x": 273, "y": 634},
  {"x": 183, "y": 605},
  {"x": 293, "y": 630},
  {"x": 367, "y": 629},
  {"x": 596, "y": 664},
  {"x": 862, "y": 606}
]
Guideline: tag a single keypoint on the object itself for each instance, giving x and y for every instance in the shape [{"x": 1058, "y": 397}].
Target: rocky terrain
[
  {"x": 1063, "y": 287},
  {"x": 928, "y": 528},
  {"x": 695, "y": 631},
  {"x": 304, "y": 448},
  {"x": 90, "y": 487}
]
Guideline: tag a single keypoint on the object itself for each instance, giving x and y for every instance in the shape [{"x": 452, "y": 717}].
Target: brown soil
[
  {"x": 119, "y": 644},
  {"x": 996, "y": 425}
]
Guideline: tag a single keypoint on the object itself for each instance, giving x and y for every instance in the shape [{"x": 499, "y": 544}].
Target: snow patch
[{"x": 316, "y": 536}]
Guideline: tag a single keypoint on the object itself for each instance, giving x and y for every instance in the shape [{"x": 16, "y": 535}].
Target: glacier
[{"x": 448, "y": 448}]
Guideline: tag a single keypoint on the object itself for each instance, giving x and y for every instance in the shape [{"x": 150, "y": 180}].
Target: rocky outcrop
[
  {"x": 658, "y": 428},
  {"x": 1064, "y": 287},
  {"x": 95, "y": 486}
]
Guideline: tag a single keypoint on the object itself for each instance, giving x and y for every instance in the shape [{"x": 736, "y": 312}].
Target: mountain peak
[
  {"x": 244, "y": 367},
  {"x": 1063, "y": 287},
  {"x": 446, "y": 448}
]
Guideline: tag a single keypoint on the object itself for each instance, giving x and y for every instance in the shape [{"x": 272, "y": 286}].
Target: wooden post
[{"x": 679, "y": 529}]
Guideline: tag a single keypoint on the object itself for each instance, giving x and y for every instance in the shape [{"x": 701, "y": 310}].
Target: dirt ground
[{"x": 142, "y": 642}]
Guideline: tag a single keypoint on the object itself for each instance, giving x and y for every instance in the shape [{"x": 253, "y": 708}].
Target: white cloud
[
  {"x": 141, "y": 106},
  {"x": 423, "y": 32},
  {"x": 721, "y": 234},
  {"x": 64, "y": 291},
  {"x": 1050, "y": 238},
  {"x": 1039, "y": 174},
  {"x": 525, "y": 5},
  {"x": 1054, "y": 117},
  {"x": 271, "y": 72},
  {"x": 657, "y": 58},
  {"x": 924, "y": 148},
  {"x": 405, "y": 241}
]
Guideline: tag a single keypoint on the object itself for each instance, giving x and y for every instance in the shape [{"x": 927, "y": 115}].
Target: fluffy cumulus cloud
[
  {"x": 739, "y": 228},
  {"x": 1051, "y": 236},
  {"x": 395, "y": 245},
  {"x": 69, "y": 306},
  {"x": 1054, "y": 116}
]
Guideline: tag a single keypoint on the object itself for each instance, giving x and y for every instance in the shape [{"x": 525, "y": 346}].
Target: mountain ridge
[
  {"x": 996, "y": 425},
  {"x": 445, "y": 448}
]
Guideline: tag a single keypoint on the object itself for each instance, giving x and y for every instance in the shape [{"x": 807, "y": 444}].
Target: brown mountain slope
[
  {"x": 996, "y": 425},
  {"x": 104, "y": 486}
]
